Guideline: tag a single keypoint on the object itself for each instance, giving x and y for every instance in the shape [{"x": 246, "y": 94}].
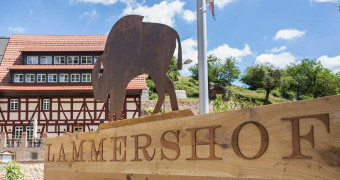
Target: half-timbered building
[{"x": 48, "y": 78}]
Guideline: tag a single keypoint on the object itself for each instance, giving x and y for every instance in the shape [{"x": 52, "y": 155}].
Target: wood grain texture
[
  {"x": 155, "y": 137},
  {"x": 133, "y": 48},
  {"x": 145, "y": 119}
]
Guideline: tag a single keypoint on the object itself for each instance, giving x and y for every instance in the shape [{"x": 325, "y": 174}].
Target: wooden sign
[{"x": 296, "y": 140}]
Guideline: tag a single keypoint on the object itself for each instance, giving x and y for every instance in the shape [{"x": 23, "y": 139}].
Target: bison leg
[
  {"x": 116, "y": 104},
  {"x": 161, "y": 94},
  {"x": 170, "y": 89}
]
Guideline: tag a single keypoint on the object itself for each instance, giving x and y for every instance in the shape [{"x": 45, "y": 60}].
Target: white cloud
[
  {"x": 278, "y": 60},
  {"x": 221, "y": 3},
  {"x": 289, "y": 34},
  {"x": 189, "y": 51},
  {"x": 189, "y": 16},
  {"x": 224, "y": 51},
  {"x": 91, "y": 15},
  {"x": 164, "y": 12},
  {"x": 277, "y": 50},
  {"x": 105, "y": 2},
  {"x": 332, "y": 63},
  {"x": 322, "y": 1},
  {"x": 17, "y": 30}
]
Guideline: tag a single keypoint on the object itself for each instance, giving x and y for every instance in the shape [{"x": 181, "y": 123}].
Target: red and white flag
[{"x": 211, "y": 7}]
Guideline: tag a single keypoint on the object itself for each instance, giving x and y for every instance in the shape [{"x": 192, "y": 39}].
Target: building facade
[{"x": 48, "y": 78}]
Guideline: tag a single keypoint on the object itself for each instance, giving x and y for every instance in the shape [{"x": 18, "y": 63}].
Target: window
[
  {"x": 29, "y": 78},
  {"x": 78, "y": 128},
  {"x": 18, "y": 131},
  {"x": 32, "y": 59},
  {"x": 86, "y": 59},
  {"x": 63, "y": 78},
  {"x": 29, "y": 130},
  {"x": 6, "y": 156},
  {"x": 72, "y": 60},
  {"x": 95, "y": 59},
  {"x": 52, "y": 78},
  {"x": 86, "y": 77},
  {"x": 46, "y": 104},
  {"x": 41, "y": 78},
  {"x": 14, "y": 104},
  {"x": 59, "y": 60},
  {"x": 46, "y": 60},
  {"x": 18, "y": 78},
  {"x": 75, "y": 77},
  {"x": 34, "y": 155}
]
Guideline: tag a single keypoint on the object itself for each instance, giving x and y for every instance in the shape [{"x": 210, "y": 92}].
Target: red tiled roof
[
  {"x": 62, "y": 49},
  {"x": 18, "y": 43}
]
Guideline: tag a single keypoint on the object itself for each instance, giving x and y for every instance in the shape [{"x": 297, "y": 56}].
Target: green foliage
[
  {"x": 190, "y": 87},
  {"x": 309, "y": 79},
  {"x": 264, "y": 76},
  {"x": 219, "y": 105},
  {"x": 172, "y": 74},
  {"x": 153, "y": 96},
  {"x": 13, "y": 171},
  {"x": 224, "y": 72},
  {"x": 258, "y": 95},
  {"x": 173, "y": 70}
]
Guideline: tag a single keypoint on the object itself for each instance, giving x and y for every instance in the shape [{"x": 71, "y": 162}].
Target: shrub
[
  {"x": 13, "y": 171},
  {"x": 190, "y": 87},
  {"x": 219, "y": 105}
]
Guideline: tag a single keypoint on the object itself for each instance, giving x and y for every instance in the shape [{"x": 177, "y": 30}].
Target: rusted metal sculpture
[{"x": 134, "y": 47}]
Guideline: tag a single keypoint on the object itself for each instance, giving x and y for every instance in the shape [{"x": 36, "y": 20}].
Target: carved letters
[
  {"x": 170, "y": 144},
  {"x": 264, "y": 140},
  {"x": 295, "y": 121}
]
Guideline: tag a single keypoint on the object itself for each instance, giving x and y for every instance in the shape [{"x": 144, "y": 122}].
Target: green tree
[
  {"x": 173, "y": 70},
  {"x": 264, "y": 76},
  {"x": 309, "y": 79},
  {"x": 224, "y": 72}
]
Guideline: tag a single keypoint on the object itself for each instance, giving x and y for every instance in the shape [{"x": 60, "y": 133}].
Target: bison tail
[{"x": 179, "y": 56}]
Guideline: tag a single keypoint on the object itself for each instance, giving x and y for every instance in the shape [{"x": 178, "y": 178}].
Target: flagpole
[{"x": 202, "y": 57}]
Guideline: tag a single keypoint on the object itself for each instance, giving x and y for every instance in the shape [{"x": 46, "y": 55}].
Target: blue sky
[{"x": 252, "y": 31}]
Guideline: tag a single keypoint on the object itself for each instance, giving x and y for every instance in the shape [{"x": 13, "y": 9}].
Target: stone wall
[
  {"x": 33, "y": 170},
  {"x": 193, "y": 105}
]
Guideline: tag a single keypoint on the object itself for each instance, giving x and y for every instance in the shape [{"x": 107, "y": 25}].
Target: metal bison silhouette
[{"x": 133, "y": 48}]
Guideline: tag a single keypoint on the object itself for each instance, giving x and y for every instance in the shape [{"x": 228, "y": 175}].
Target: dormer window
[
  {"x": 41, "y": 78},
  {"x": 86, "y": 77},
  {"x": 59, "y": 59},
  {"x": 29, "y": 78},
  {"x": 18, "y": 78},
  {"x": 63, "y": 77},
  {"x": 46, "y": 60},
  {"x": 72, "y": 60},
  {"x": 32, "y": 60},
  {"x": 86, "y": 60},
  {"x": 75, "y": 77},
  {"x": 52, "y": 77}
]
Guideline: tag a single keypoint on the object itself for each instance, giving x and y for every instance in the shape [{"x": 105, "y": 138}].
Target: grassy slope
[
  {"x": 247, "y": 94},
  {"x": 255, "y": 95}
]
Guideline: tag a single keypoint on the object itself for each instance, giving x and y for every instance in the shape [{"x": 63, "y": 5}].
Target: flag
[{"x": 211, "y": 7}]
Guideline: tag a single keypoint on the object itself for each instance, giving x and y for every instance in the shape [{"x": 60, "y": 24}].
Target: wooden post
[
  {"x": 23, "y": 139},
  {"x": 3, "y": 139}
]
